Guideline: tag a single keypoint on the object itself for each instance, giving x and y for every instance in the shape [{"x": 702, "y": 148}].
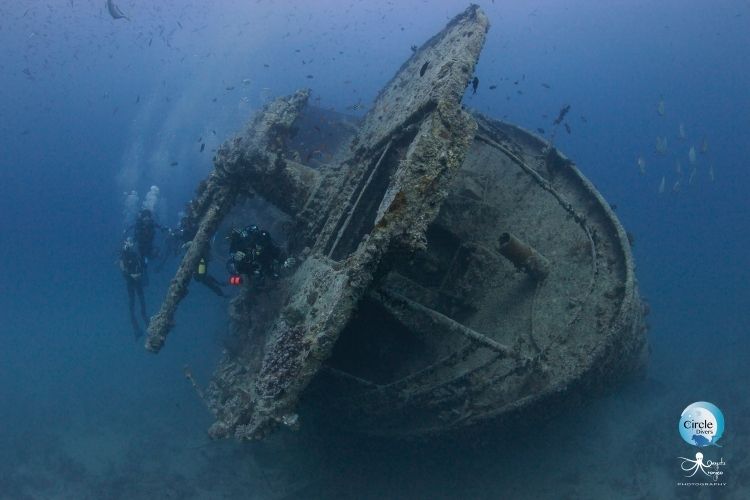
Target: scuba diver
[
  {"x": 175, "y": 240},
  {"x": 253, "y": 253},
  {"x": 144, "y": 231},
  {"x": 131, "y": 266}
]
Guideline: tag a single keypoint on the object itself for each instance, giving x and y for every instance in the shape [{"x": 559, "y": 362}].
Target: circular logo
[{"x": 701, "y": 424}]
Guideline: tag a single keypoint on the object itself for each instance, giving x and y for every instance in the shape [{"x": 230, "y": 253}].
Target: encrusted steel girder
[{"x": 252, "y": 155}]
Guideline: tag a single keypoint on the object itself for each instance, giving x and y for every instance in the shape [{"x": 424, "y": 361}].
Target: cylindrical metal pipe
[{"x": 523, "y": 256}]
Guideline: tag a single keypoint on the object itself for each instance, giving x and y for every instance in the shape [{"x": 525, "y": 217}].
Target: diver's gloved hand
[{"x": 239, "y": 256}]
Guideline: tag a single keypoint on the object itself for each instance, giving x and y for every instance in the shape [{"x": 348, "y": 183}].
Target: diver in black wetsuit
[
  {"x": 131, "y": 266},
  {"x": 175, "y": 240},
  {"x": 241, "y": 245},
  {"x": 253, "y": 253},
  {"x": 144, "y": 231}
]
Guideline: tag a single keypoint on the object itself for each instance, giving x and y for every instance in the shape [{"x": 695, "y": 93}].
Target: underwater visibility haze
[{"x": 351, "y": 324}]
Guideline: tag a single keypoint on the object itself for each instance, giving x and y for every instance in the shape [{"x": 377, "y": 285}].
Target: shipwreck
[{"x": 452, "y": 269}]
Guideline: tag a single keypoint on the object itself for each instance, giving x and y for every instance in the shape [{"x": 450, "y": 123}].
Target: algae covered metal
[{"x": 451, "y": 269}]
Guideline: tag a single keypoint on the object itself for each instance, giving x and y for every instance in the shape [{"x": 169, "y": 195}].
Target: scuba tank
[{"x": 202, "y": 266}]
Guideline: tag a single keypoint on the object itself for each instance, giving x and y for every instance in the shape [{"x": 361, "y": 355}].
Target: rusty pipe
[{"x": 523, "y": 256}]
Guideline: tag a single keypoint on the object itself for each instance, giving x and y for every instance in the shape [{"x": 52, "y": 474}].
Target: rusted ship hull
[
  {"x": 452, "y": 269},
  {"x": 530, "y": 346}
]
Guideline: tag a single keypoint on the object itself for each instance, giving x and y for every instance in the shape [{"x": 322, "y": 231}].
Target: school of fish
[{"x": 694, "y": 156}]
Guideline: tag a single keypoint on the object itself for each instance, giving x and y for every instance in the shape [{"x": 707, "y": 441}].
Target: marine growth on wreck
[{"x": 451, "y": 269}]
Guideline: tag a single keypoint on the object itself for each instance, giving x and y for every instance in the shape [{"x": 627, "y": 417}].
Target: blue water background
[{"x": 75, "y": 387}]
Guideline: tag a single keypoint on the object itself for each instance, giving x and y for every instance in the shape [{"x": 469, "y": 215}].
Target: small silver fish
[
  {"x": 660, "y": 108},
  {"x": 661, "y": 145},
  {"x": 642, "y": 165},
  {"x": 662, "y": 184},
  {"x": 355, "y": 107},
  {"x": 681, "y": 132}
]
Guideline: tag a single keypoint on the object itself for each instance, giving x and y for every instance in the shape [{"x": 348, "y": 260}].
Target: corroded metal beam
[
  {"x": 254, "y": 154},
  {"x": 423, "y": 319}
]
